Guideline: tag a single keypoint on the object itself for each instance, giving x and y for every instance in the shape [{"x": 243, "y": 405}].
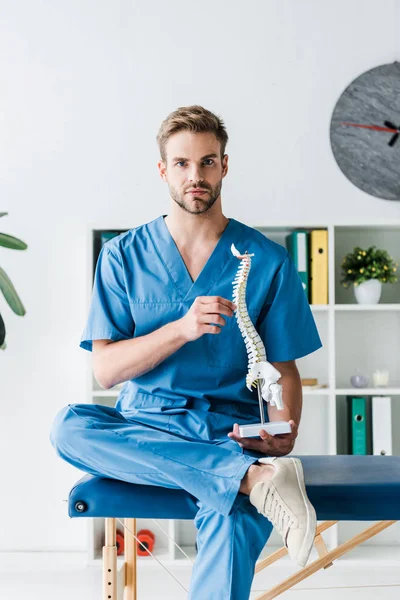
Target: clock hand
[
  {"x": 389, "y": 127},
  {"x": 375, "y": 127},
  {"x": 393, "y": 139}
]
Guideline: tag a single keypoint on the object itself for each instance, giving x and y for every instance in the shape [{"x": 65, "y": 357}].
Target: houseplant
[
  {"x": 367, "y": 270},
  {"x": 11, "y": 296}
]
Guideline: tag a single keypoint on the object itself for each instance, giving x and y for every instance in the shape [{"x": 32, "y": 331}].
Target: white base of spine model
[{"x": 261, "y": 373}]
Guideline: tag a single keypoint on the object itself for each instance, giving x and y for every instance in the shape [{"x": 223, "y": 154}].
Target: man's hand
[
  {"x": 270, "y": 445},
  {"x": 206, "y": 310}
]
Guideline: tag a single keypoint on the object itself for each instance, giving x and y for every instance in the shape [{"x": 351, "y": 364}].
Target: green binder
[
  {"x": 297, "y": 244},
  {"x": 358, "y": 424},
  {"x": 105, "y": 236}
]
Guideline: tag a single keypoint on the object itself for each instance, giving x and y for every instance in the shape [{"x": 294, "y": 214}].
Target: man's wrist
[{"x": 179, "y": 331}]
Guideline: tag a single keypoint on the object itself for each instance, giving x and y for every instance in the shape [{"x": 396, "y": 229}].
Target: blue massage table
[{"x": 341, "y": 488}]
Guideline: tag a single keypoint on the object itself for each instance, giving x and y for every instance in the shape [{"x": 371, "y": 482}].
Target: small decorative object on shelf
[
  {"x": 380, "y": 378},
  {"x": 359, "y": 381},
  {"x": 311, "y": 383},
  {"x": 367, "y": 270}
]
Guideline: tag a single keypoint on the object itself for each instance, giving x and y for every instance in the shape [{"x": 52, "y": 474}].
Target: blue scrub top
[{"x": 141, "y": 283}]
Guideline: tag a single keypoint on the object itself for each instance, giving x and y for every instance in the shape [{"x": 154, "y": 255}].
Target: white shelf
[
  {"x": 368, "y": 391},
  {"x": 360, "y": 307},
  {"x": 355, "y": 307},
  {"x": 353, "y": 336}
]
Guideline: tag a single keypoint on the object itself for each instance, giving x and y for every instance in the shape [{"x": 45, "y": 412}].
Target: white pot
[{"x": 368, "y": 292}]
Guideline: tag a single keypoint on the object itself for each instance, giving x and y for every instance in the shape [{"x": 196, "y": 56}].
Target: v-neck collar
[{"x": 174, "y": 263}]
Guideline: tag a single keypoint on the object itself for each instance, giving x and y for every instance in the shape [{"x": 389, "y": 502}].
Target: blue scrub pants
[{"x": 178, "y": 448}]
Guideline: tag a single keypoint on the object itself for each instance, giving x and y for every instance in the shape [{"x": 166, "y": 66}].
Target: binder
[
  {"x": 382, "y": 425},
  {"x": 358, "y": 426},
  {"x": 297, "y": 244},
  {"x": 319, "y": 266},
  {"x": 101, "y": 238},
  {"x": 105, "y": 236}
]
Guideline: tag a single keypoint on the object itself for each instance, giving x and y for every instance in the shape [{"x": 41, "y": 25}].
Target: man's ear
[
  {"x": 225, "y": 165},
  {"x": 162, "y": 168}
]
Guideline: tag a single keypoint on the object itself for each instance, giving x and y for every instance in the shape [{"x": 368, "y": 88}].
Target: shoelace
[{"x": 277, "y": 514}]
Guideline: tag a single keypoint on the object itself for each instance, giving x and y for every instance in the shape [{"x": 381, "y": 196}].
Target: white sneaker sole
[{"x": 309, "y": 537}]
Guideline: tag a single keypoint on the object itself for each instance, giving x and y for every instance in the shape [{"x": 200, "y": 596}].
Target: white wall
[{"x": 85, "y": 85}]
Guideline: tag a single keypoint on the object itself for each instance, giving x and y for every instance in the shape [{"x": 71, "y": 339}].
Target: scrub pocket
[{"x": 228, "y": 348}]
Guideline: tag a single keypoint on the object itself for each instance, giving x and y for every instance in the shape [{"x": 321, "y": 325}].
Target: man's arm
[
  {"x": 115, "y": 362},
  {"x": 292, "y": 394}
]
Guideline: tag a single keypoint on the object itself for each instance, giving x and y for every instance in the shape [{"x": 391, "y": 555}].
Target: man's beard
[{"x": 196, "y": 205}]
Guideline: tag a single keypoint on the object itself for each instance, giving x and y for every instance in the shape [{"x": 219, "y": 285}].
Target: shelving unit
[{"x": 354, "y": 336}]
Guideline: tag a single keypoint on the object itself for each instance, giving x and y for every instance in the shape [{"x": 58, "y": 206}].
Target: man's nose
[{"x": 194, "y": 173}]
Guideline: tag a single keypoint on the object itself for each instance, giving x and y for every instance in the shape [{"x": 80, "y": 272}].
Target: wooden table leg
[
  {"x": 130, "y": 546},
  {"x": 110, "y": 561}
]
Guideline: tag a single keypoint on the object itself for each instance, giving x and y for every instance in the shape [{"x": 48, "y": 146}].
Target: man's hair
[{"x": 195, "y": 119}]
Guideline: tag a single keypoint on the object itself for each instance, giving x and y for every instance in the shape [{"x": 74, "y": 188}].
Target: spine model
[
  {"x": 254, "y": 345},
  {"x": 259, "y": 370}
]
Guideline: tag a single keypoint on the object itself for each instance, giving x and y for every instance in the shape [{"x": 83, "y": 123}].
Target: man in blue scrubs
[{"x": 162, "y": 321}]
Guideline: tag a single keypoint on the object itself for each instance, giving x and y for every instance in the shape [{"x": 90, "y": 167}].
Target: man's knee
[{"x": 62, "y": 428}]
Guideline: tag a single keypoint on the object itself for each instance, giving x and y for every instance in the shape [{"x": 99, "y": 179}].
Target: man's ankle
[{"x": 255, "y": 473}]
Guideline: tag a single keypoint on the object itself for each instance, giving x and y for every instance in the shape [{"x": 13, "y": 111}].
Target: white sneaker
[{"x": 284, "y": 501}]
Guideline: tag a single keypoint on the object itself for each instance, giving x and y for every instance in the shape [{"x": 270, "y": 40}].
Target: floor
[{"x": 45, "y": 576}]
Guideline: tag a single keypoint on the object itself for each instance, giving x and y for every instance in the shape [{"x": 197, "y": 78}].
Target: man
[{"x": 161, "y": 320}]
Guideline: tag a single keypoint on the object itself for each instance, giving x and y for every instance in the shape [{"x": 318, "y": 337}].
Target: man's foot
[{"x": 283, "y": 500}]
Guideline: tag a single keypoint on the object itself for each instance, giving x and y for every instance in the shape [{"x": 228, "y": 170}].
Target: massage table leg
[{"x": 322, "y": 562}]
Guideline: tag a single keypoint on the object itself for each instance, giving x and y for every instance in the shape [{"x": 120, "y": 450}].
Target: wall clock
[{"x": 365, "y": 129}]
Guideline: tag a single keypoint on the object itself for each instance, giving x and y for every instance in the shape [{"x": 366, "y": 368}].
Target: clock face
[{"x": 365, "y": 129}]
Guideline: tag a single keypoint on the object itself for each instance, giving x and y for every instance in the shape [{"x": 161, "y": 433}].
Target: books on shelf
[
  {"x": 309, "y": 251},
  {"x": 382, "y": 425},
  {"x": 357, "y": 424},
  {"x": 369, "y": 425},
  {"x": 319, "y": 266},
  {"x": 297, "y": 246}
]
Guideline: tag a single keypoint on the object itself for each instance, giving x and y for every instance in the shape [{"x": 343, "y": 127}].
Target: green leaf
[
  {"x": 9, "y": 241},
  {"x": 10, "y": 294},
  {"x": 2, "y": 332},
  {"x": 3, "y": 213}
]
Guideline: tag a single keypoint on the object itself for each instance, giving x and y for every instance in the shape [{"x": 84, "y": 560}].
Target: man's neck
[{"x": 195, "y": 231}]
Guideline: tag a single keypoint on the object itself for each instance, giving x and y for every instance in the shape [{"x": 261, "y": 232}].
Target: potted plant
[
  {"x": 367, "y": 270},
  {"x": 11, "y": 296}
]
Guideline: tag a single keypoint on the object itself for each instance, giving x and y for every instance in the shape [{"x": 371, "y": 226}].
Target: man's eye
[{"x": 210, "y": 161}]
